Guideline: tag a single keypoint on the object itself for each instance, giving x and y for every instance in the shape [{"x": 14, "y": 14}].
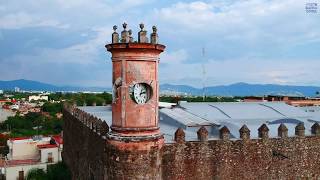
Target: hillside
[
  {"x": 237, "y": 89},
  {"x": 244, "y": 89},
  {"x": 29, "y": 85}
]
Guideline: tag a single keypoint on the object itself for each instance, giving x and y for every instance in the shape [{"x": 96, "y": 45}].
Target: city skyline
[{"x": 62, "y": 42}]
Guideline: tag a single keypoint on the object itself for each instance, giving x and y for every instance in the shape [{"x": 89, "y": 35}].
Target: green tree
[
  {"x": 52, "y": 126},
  {"x": 57, "y": 171},
  {"x": 31, "y": 124},
  {"x": 8, "y": 103},
  {"x": 52, "y": 108},
  {"x": 56, "y": 96},
  {"x": 106, "y": 96},
  {"x": 36, "y": 174}
]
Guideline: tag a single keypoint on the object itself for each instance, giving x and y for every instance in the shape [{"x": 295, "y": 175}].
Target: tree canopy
[
  {"x": 31, "y": 124},
  {"x": 55, "y": 171}
]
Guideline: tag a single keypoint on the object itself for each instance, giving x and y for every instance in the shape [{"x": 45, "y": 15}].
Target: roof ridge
[
  {"x": 220, "y": 110},
  {"x": 270, "y": 107}
]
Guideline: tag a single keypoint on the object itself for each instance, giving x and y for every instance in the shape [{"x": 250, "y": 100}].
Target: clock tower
[{"x": 135, "y": 89}]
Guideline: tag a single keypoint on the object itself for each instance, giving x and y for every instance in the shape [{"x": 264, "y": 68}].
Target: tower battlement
[{"x": 126, "y": 35}]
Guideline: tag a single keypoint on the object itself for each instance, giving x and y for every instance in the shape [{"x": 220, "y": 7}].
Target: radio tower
[{"x": 203, "y": 75}]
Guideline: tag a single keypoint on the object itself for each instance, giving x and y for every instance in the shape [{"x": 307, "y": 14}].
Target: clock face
[{"x": 141, "y": 93}]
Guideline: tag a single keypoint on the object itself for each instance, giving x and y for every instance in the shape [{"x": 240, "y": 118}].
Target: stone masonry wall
[
  {"x": 89, "y": 156},
  {"x": 288, "y": 158},
  {"x": 132, "y": 164},
  {"x": 84, "y": 150}
]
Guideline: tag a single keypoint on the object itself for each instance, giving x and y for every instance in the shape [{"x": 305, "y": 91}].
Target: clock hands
[{"x": 143, "y": 92}]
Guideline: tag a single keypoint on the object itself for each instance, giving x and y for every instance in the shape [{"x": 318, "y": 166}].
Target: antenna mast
[{"x": 203, "y": 75}]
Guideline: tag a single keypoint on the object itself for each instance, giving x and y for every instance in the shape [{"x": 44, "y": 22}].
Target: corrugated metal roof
[
  {"x": 102, "y": 112},
  {"x": 287, "y": 110},
  {"x": 191, "y": 116},
  {"x": 184, "y": 117},
  {"x": 203, "y": 109},
  {"x": 236, "y": 110}
]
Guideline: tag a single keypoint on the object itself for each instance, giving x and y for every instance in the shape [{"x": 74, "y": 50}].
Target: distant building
[
  {"x": 1, "y": 91},
  {"x": 16, "y": 89},
  {"x": 38, "y": 97},
  {"x": 3, "y": 101},
  {"x": 27, "y": 153},
  {"x": 271, "y": 98},
  {"x": 291, "y": 100}
]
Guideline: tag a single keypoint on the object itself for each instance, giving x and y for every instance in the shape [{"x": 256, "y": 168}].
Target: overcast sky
[{"x": 256, "y": 41}]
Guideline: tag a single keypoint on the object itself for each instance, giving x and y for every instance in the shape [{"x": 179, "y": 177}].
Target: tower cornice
[{"x": 134, "y": 46}]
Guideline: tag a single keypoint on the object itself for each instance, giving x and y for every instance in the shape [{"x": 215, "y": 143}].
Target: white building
[
  {"x": 29, "y": 153},
  {"x": 38, "y": 97},
  {"x": 16, "y": 89},
  {"x": 1, "y": 91}
]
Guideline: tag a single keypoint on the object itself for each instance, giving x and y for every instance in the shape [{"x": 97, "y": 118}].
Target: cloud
[
  {"x": 193, "y": 15},
  {"x": 22, "y": 20},
  {"x": 175, "y": 57},
  {"x": 82, "y": 64},
  {"x": 81, "y": 53},
  {"x": 258, "y": 41},
  {"x": 255, "y": 24},
  {"x": 241, "y": 70},
  {"x": 17, "y": 14}
]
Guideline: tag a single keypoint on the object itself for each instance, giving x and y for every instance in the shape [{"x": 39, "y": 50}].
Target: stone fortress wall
[{"x": 89, "y": 155}]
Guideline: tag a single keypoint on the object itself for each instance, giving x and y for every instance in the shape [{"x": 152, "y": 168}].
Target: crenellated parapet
[
  {"x": 203, "y": 134},
  {"x": 263, "y": 131},
  {"x": 267, "y": 152},
  {"x": 300, "y": 130},
  {"x": 104, "y": 128},
  {"x": 244, "y": 133},
  {"x": 315, "y": 129},
  {"x": 224, "y": 133},
  {"x": 283, "y": 131},
  {"x": 93, "y": 123},
  {"x": 179, "y": 136}
]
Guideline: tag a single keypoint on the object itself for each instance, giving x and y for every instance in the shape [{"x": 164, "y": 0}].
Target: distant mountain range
[
  {"x": 243, "y": 89},
  {"x": 237, "y": 89},
  {"x": 29, "y": 85}
]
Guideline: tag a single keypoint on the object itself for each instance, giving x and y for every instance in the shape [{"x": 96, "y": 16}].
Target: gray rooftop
[{"x": 191, "y": 116}]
